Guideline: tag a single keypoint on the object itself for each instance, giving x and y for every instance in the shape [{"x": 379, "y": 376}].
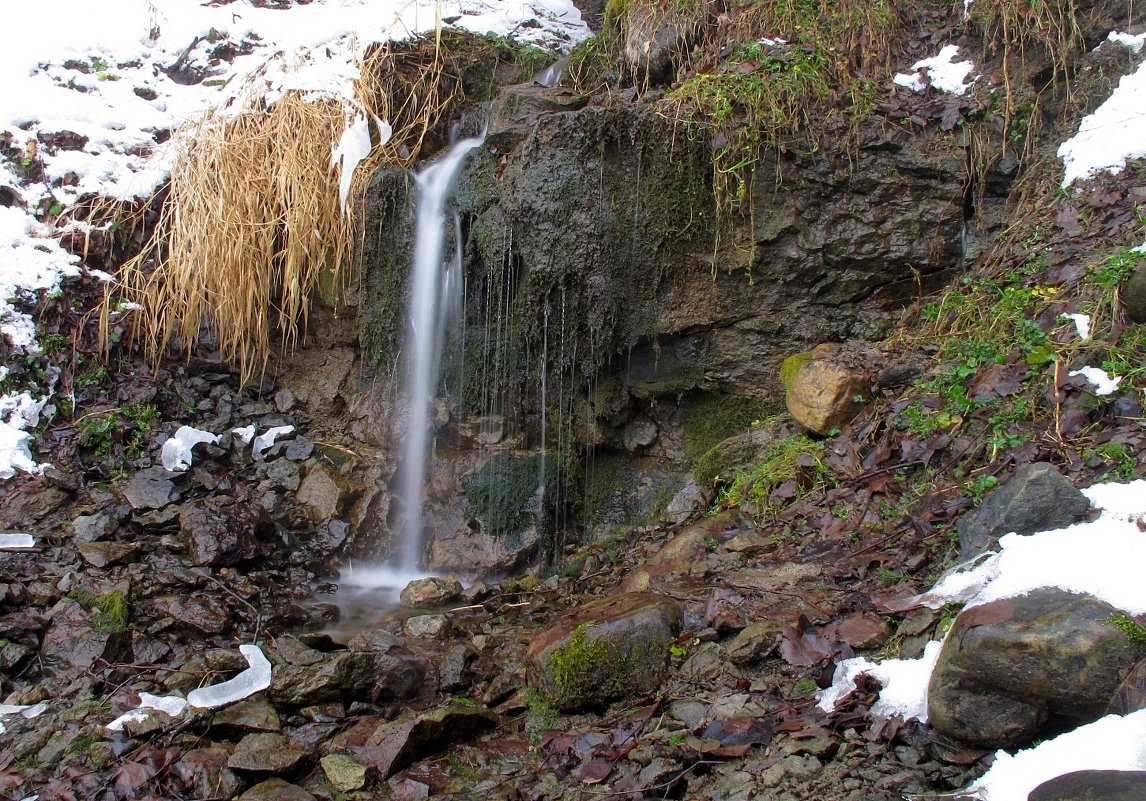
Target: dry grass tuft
[{"x": 252, "y": 226}]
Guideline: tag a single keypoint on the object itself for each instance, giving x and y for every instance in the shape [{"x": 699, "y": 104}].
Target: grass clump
[
  {"x": 795, "y": 464},
  {"x": 111, "y": 609}
]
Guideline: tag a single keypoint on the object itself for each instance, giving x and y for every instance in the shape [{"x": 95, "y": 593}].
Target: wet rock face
[
  {"x": 613, "y": 648},
  {"x": 216, "y": 534},
  {"x": 1012, "y": 668},
  {"x": 1036, "y": 498}
]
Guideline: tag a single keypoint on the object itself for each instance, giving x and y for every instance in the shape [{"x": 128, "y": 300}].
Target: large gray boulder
[
  {"x": 1093, "y": 785},
  {"x": 1010, "y": 669},
  {"x": 1037, "y": 498}
]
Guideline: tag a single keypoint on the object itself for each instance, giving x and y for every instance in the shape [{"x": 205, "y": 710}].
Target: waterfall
[{"x": 435, "y": 292}]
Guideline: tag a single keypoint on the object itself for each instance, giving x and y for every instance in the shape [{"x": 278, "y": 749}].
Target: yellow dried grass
[{"x": 251, "y": 226}]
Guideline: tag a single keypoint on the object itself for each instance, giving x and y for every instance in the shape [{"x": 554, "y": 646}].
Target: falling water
[{"x": 435, "y": 292}]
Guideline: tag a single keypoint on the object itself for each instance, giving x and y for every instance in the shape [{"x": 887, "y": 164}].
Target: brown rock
[{"x": 824, "y": 393}]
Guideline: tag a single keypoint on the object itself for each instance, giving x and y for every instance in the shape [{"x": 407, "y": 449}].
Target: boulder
[
  {"x": 354, "y": 675},
  {"x": 1010, "y": 669},
  {"x": 1093, "y": 785},
  {"x": 426, "y": 627},
  {"x": 1036, "y": 498},
  {"x": 610, "y": 649},
  {"x": 321, "y": 494},
  {"x": 1133, "y": 295},
  {"x": 823, "y": 391},
  {"x": 432, "y": 591},
  {"x": 79, "y": 637},
  {"x": 251, "y": 714},
  {"x": 90, "y": 528}
]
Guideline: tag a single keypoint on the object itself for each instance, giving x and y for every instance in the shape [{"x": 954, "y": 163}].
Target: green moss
[
  {"x": 500, "y": 494},
  {"x": 581, "y": 665},
  {"x": 1130, "y": 627},
  {"x": 111, "y": 609},
  {"x": 790, "y": 368},
  {"x": 710, "y": 419}
]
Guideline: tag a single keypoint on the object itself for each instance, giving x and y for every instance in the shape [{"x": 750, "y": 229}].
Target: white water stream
[{"x": 435, "y": 296}]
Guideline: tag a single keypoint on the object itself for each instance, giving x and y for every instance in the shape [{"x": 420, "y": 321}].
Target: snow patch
[
  {"x": 1081, "y": 324},
  {"x": 904, "y": 683},
  {"x": 1103, "y": 383},
  {"x": 940, "y": 72},
  {"x": 1110, "y": 743},
  {"x": 1128, "y": 40},
  {"x": 18, "y": 413},
  {"x": 1113, "y": 134}
]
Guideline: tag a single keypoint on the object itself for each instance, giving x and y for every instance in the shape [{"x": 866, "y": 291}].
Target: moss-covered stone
[
  {"x": 111, "y": 609},
  {"x": 502, "y": 494},
  {"x": 609, "y": 649},
  {"x": 710, "y": 419}
]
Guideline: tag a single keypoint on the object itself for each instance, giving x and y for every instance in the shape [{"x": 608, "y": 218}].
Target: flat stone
[
  {"x": 215, "y": 534},
  {"x": 426, "y": 627},
  {"x": 90, "y": 528},
  {"x": 393, "y": 746},
  {"x": 205, "y": 771},
  {"x": 351, "y": 675},
  {"x": 265, "y": 753},
  {"x": 609, "y": 649},
  {"x": 102, "y": 554},
  {"x": 200, "y": 612},
  {"x": 432, "y": 591},
  {"x": 754, "y": 642},
  {"x": 151, "y": 489},
  {"x": 276, "y": 790},
  {"x": 343, "y": 773},
  {"x": 300, "y": 449},
  {"x": 253, "y": 714}
]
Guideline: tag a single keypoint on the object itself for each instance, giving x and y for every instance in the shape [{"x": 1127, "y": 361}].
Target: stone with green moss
[{"x": 611, "y": 649}]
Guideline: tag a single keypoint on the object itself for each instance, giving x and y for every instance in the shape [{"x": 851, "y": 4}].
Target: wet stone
[
  {"x": 427, "y": 627},
  {"x": 343, "y": 773},
  {"x": 254, "y": 714},
  {"x": 265, "y": 753},
  {"x": 150, "y": 489},
  {"x": 276, "y": 790},
  {"x": 205, "y": 771},
  {"x": 91, "y": 528},
  {"x": 102, "y": 554},
  {"x": 1099, "y": 785},
  {"x": 431, "y": 591},
  {"x": 300, "y": 449},
  {"x": 199, "y": 612}
]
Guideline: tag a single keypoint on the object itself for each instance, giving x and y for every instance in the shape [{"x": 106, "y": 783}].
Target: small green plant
[
  {"x": 111, "y": 610},
  {"x": 541, "y": 714},
  {"x": 461, "y": 768},
  {"x": 1130, "y": 627},
  {"x": 797, "y": 459},
  {"x": 980, "y": 486}
]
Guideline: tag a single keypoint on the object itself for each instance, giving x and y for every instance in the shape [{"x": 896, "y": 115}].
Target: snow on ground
[
  {"x": 108, "y": 79},
  {"x": 942, "y": 73},
  {"x": 1112, "y": 135},
  {"x": 1102, "y": 558}
]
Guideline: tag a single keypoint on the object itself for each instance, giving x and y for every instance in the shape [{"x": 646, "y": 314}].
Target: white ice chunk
[
  {"x": 265, "y": 440},
  {"x": 353, "y": 147},
  {"x": 1103, "y": 383},
  {"x": 172, "y": 705},
  {"x": 176, "y": 452},
  {"x": 26, "y": 711},
  {"x": 943, "y": 73},
  {"x": 1110, "y": 743},
  {"x": 134, "y": 716},
  {"x": 17, "y": 539},
  {"x": 255, "y": 678},
  {"x": 245, "y": 434},
  {"x": 17, "y": 413},
  {"x": 1081, "y": 324}
]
